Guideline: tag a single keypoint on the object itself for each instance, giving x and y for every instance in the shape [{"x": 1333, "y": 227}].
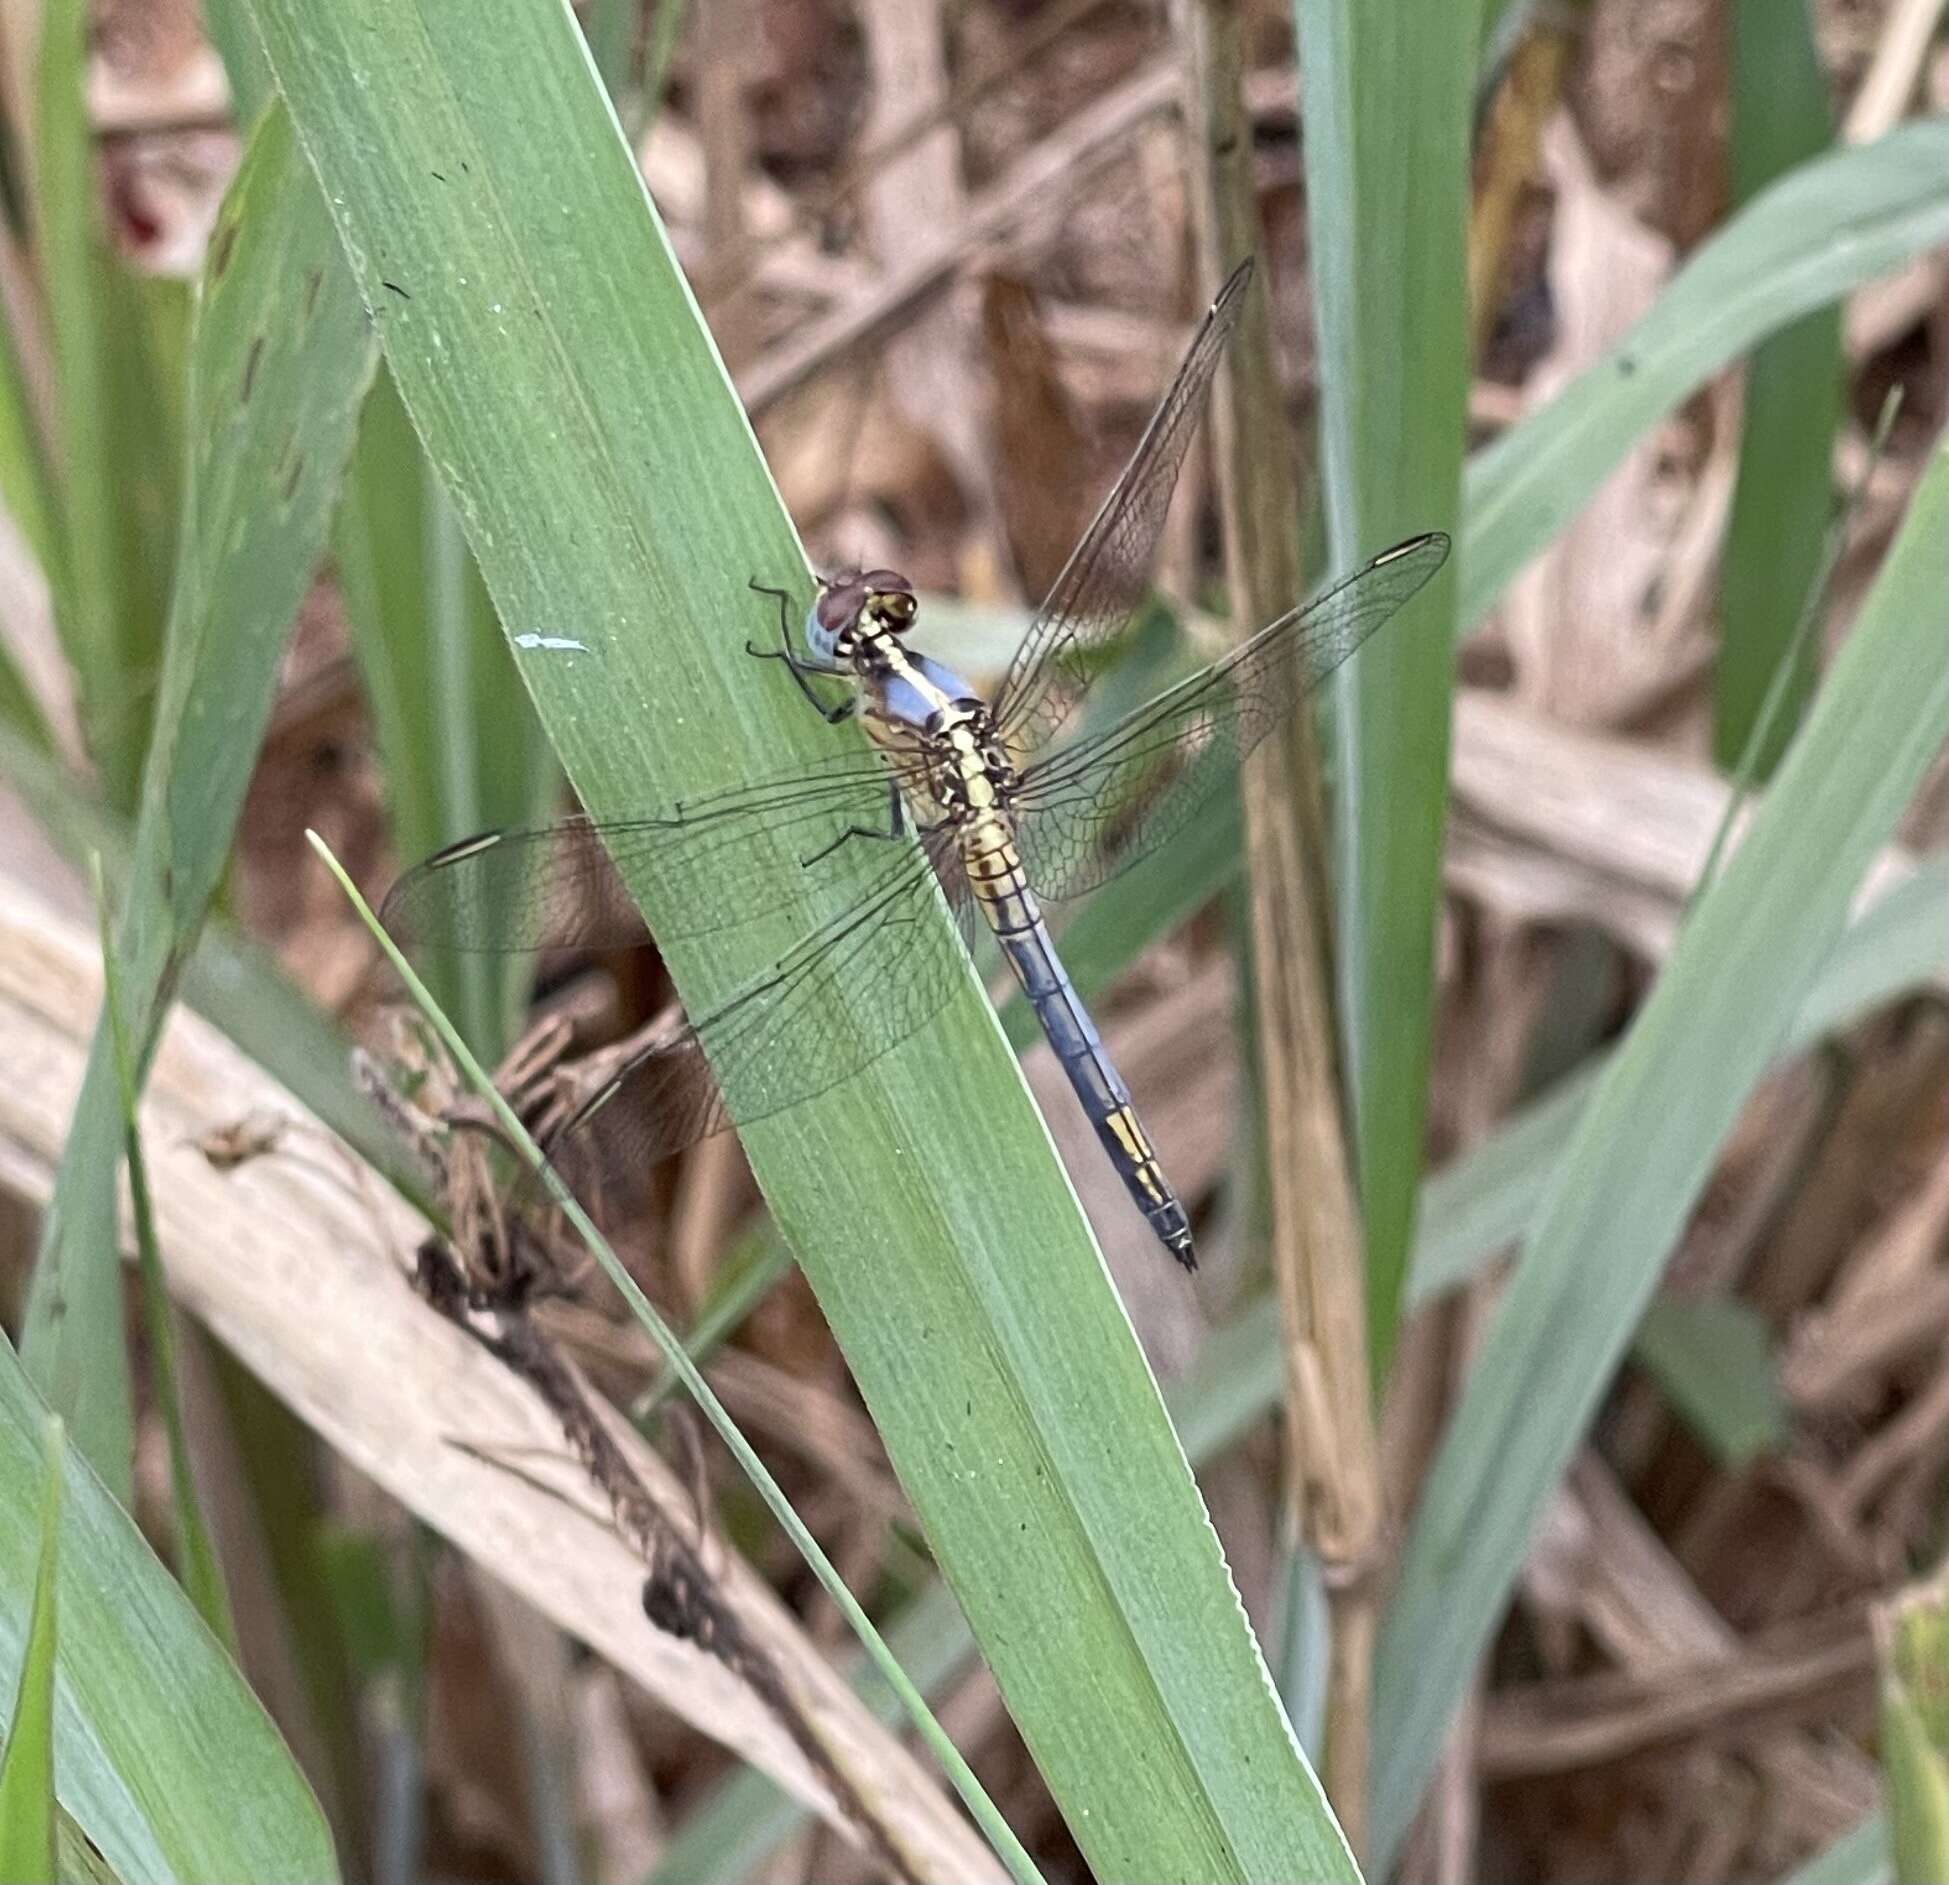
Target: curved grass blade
[
  {"x": 1775, "y": 537},
  {"x": 27, "y": 1812},
  {"x": 279, "y": 366},
  {"x": 1821, "y": 231},
  {"x": 163, "y": 1757},
  {"x": 1388, "y": 96},
  {"x": 1646, "y": 1144}
]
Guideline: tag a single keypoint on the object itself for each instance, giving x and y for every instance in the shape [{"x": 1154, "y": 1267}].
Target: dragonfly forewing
[
  {"x": 1095, "y": 808},
  {"x": 710, "y": 864},
  {"x": 1091, "y": 602}
]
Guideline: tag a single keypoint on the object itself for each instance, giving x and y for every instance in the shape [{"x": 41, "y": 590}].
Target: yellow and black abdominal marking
[{"x": 973, "y": 785}]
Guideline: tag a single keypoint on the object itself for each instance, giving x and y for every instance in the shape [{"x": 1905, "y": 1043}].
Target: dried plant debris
[{"x": 485, "y": 1276}]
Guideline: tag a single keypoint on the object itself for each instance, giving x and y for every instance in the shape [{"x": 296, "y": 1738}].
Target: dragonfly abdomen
[{"x": 994, "y": 870}]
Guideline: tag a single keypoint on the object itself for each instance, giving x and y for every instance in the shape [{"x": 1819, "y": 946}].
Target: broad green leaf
[
  {"x": 553, "y": 366},
  {"x": 1387, "y": 96},
  {"x": 280, "y": 364},
  {"x": 1821, "y": 231},
  {"x": 1646, "y": 1144},
  {"x": 27, "y": 1813},
  {"x": 1777, "y": 534},
  {"x": 161, "y": 1753}
]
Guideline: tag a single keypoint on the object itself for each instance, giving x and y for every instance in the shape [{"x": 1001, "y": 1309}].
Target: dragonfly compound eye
[
  {"x": 840, "y": 602},
  {"x": 894, "y": 606}
]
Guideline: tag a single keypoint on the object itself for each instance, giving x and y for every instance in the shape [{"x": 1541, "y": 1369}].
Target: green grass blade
[
  {"x": 27, "y": 1816},
  {"x": 280, "y": 363},
  {"x": 1387, "y": 96},
  {"x": 552, "y": 363},
  {"x": 1912, "y": 1670},
  {"x": 26, "y": 482},
  {"x": 118, "y": 453},
  {"x": 1776, "y": 537},
  {"x": 1646, "y": 1144},
  {"x": 671, "y": 1344},
  {"x": 1713, "y": 1361},
  {"x": 68, "y": 251},
  {"x": 162, "y": 1755},
  {"x": 202, "y": 1574},
  {"x": 460, "y": 745},
  {"x": 1821, "y": 231},
  {"x": 1485, "y": 1201}
]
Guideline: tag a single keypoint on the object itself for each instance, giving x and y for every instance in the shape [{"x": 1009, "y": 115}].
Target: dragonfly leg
[
  {"x": 896, "y": 827},
  {"x": 800, "y": 669}
]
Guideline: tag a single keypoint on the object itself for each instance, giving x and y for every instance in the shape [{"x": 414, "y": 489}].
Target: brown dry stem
[{"x": 1333, "y": 1458}]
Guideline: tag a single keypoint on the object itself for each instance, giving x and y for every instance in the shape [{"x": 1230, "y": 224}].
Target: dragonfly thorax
[{"x": 969, "y": 771}]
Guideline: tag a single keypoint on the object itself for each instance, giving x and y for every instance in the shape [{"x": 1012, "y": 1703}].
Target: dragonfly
[{"x": 1009, "y": 818}]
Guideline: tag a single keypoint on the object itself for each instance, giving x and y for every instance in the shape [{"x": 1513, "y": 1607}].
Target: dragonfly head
[{"x": 853, "y": 603}]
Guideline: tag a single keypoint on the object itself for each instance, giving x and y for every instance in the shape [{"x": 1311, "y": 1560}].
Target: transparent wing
[
  {"x": 1105, "y": 579},
  {"x": 1094, "y": 808},
  {"x": 844, "y": 995},
  {"x": 714, "y": 860}
]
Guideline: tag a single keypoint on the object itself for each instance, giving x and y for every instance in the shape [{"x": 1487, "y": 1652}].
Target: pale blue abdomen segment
[
  {"x": 916, "y": 700},
  {"x": 1105, "y": 1099}
]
